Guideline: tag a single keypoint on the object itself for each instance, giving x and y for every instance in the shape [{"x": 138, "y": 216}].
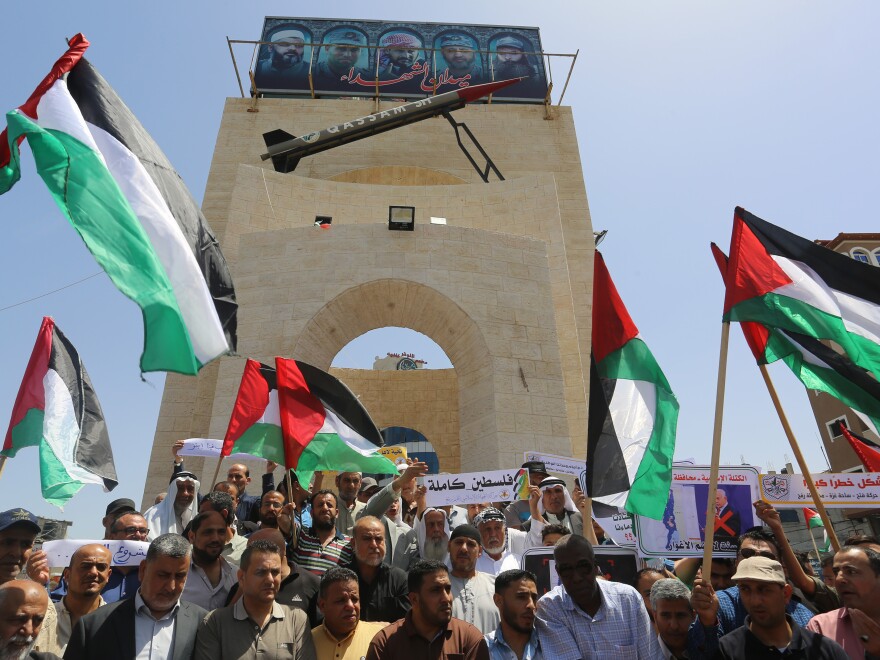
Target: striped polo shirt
[{"x": 312, "y": 556}]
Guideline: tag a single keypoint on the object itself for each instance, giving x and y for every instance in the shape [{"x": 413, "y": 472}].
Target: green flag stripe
[
  {"x": 327, "y": 451},
  {"x": 262, "y": 440},
  {"x": 27, "y": 433},
  {"x": 58, "y": 486},
  {"x": 88, "y": 195}
]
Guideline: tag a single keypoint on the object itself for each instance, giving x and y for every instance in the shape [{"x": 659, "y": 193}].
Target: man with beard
[
  {"x": 271, "y": 506},
  {"x": 221, "y": 502},
  {"x": 502, "y": 547},
  {"x": 344, "y": 634},
  {"x": 516, "y": 596},
  {"x": 382, "y": 588},
  {"x": 322, "y": 547},
  {"x": 173, "y": 514},
  {"x": 348, "y": 485},
  {"x": 510, "y": 60},
  {"x": 86, "y": 575},
  {"x": 557, "y": 507},
  {"x": 23, "y": 606},
  {"x": 256, "y": 626},
  {"x": 472, "y": 591},
  {"x": 155, "y": 624},
  {"x": 285, "y": 66},
  {"x": 339, "y": 57},
  {"x": 459, "y": 57},
  {"x": 432, "y": 531},
  {"x": 584, "y": 617},
  {"x": 211, "y": 576},
  {"x": 399, "y": 52}
]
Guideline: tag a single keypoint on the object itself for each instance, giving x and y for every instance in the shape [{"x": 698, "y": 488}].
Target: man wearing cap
[
  {"x": 517, "y": 513},
  {"x": 285, "y": 65},
  {"x": 339, "y": 56},
  {"x": 369, "y": 487},
  {"x": 459, "y": 57},
  {"x": 473, "y": 592},
  {"x": 172, "y": 515},
  {"x": 124, "y": 580},
  {"x": 510, "y": 61},
  {"x": 768, "y": 631},
  {"x": 502, "y": 547},
  {"x": 114, "y": 509}
]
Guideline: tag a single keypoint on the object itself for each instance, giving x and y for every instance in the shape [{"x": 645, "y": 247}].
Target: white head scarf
[
  {"x": 422, "y": 532},
  {"x": 552, "y": 482},
  {"x": 162, "y": 519}
]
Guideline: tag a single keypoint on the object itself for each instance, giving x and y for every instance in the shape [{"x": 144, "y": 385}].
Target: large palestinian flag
[
  {"x": 323, "y": 424},
  {"x": 788, "y": 283},
  {"x": 815, "y": 364},
  {"x": 56, "y": 410},
  {"x": 131, "y": 209},
  {"x": 633, "y": 412},
  {"x": 255, "y": 423}
]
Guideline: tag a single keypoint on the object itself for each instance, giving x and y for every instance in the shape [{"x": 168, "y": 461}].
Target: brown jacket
[{"x": 460, "y": 641}]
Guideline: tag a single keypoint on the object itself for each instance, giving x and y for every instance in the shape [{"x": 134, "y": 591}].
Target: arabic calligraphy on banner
[
  {"x": 211, "y": 447},
  {"x": 476, "y": 487},
  {"x": 789, "y": 491},
  {"x": 554, "y": 463},
  {"x": 124, "y": 553},
  {"x": 396, "y": 454},
  {"x": 681, "y": 531}
]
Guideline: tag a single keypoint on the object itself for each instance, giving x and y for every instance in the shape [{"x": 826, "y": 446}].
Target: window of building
[
  {"x": 861, "y": 255},
  {"x": 418, "y": 447},
  {"x": 834, "y": 427}
]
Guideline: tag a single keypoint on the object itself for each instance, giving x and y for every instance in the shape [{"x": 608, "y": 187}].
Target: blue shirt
[
  {"x": 620, "y": 629},
  {"x": 121, "y": 586},
  {"x": 499, "y": 650}
]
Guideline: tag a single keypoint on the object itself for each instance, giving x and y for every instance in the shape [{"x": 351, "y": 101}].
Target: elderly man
[
  {"x": 516, "y": 596},
  {"x": 256, "y": 626},
  {"x": 768, "y": 631},
  {"x": 432, "y": 531},
  {"x": 383, "y": 591},
  {"x": 557, "y": 507},
  {"x": 856, "y": 625},
  {"x": 23, "y": 607},
  {"x": 322, "y": 546},
  {"x": 155, "y": 624},
  {"x": 517, "y": 513},
  {"x": 86, "y": 575},
  {"x": 124, "y": 580},
  {"x": 673, "y": 615},
  {"x": 727, "y": 519},
  {"x": 343, "y": 635},
  {"x": 472, "y": 591},
  {"x": 211, "y": 576},
  {"x": 502, "y": 546},
  {"x": 429, "y": 630},
  {"x": 585, "y": 617},
  {"x": 172, "y": 515}
]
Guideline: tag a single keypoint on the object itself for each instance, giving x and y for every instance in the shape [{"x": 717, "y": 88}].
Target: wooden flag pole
[
  {"x": 2, "y": 464},
  {"x": 217, "y": 472},
  {"x": 709, "y": 536},
  {"x": 813, "y": 539},
  {"x": 799, "y": 457}
]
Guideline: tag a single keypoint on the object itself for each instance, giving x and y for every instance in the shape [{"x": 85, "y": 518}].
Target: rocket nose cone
[{"x": 475, "y": 92}]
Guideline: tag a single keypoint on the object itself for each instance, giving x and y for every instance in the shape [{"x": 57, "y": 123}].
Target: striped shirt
[{"x": 312, "y": 556}]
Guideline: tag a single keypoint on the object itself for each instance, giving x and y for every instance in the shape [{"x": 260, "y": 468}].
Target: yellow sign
[{"x": 396, "y": 454}]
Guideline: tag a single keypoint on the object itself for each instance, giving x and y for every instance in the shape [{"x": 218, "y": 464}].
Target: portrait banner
[
  {"x": 613, "y": 563},
  {"x": 123, "y": 553},
  {"x": 681, "y": 532},
  {"x": 476, "y": 487},
  {"x": 554, "y": 463},
  {"x": 837, "y": 491}
]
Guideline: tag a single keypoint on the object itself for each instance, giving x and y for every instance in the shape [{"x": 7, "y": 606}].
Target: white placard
[
  {"x": 211, "y": 447},
  {"x": 844, "y": 490},
  {"x": 554, "y": 463},
  {"x": 123, "y": 553},
  {"x": 476, "y": 487}
]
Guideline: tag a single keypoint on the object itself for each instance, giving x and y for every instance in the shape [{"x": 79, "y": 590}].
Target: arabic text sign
[
  {"x": 844, "y": 490},
  {"x": 124, "y": 553},
  {"x": 211, "y": 447},
  {"x": 681, "y": 531},
  {"x": 558, "y": 464},
  {"x": 475, "y": 487},
  {"x": 396, "y": 454}
]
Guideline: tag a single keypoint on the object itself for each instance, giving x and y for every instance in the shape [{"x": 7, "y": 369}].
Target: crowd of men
[{"x": 369, "y": 570}]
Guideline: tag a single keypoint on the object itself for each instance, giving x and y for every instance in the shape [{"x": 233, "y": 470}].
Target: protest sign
[
  {"x": 613, "y": 563},
  {"x": 681, "y": 531},
  {"x": 395, "y": 454},
  {"x": 123, "y": 553},
  {"x": 554, "y": 463},
  {"x": 837, "y": 491},
  {"x": 211, "y": 447},
  {"x": 476, "y": 487},
  {"x": 619, "y": 528}
]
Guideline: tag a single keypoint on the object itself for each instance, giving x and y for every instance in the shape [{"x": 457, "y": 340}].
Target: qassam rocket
[{"x": 286, "y": 151}]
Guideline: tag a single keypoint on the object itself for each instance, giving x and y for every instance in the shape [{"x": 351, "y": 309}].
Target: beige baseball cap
[{"x": 762, "y": 569}]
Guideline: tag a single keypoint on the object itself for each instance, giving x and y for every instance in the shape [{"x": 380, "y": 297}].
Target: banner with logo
[
  {"x": 396, "y": 454},
  {"x": 681, "y": 532},
  {"x": 837, "y": 491}
]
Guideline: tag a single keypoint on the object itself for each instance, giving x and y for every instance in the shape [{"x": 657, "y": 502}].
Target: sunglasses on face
[{"x": 745, "y": 553}]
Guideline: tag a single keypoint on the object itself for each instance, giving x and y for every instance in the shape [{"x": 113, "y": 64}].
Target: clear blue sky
[{"x": 683, "y": 110}]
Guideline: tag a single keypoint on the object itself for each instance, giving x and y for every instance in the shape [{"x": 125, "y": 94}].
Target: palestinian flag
[
  {"x": 788, "y": 283},
  {"x": 56, "y": 410},
  {"x": 815, "y": 364},
  {"x": 866, "y": 450},
  {"x": 131, "y": 209},
  {"x": 813, "y": 519},
  {"x": 633, "y": 412},
  {"x": 324, "y": 426},
  {"x": 255, "y": 423}
]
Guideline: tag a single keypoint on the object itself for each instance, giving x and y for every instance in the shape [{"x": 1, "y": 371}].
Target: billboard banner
[
  {"x": 399, "y": 60},
  {"x": 841, "y": 491}
]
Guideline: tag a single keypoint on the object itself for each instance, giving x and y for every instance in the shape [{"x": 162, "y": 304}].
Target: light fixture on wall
[{"x": 401, "y": 218}]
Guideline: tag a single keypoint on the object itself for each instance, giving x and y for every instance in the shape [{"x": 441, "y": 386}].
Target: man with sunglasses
[
  {"x": 590, "y": 618},
  {"x": 722, "y": 612}
]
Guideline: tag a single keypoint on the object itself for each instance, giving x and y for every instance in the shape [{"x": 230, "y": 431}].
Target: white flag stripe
[
  {"x": 332, "y": 424},
  {"x": 58, "y": 111},
  {"x": 632, "y": 408},
  {"x": 272, "y": 415}
]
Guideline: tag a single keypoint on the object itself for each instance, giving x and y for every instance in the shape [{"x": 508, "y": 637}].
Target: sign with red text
[{"x": 844, "y": 490}]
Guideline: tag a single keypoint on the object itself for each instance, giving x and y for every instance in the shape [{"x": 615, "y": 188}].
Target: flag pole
[
  {"x": 813, "y": 539},
  {"x": 709, "y": 536},
  {"x": 799, "y": 457},
  {"x": 2, "y": 464},
  {"x": 217, "y": 472}
]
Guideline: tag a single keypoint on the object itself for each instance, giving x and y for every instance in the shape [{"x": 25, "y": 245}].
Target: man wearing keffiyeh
[{"x": 557, "y": 507}]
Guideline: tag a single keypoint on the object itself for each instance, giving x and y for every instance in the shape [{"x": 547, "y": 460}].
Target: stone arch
[{"x": 403, "y": 303}]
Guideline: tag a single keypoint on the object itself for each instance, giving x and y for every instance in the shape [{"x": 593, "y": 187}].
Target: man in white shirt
[
  {"x": 502, "y": 547},
  {"x": 473, "y": 592}
]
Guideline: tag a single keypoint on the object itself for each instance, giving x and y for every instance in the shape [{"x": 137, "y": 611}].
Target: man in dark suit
[
  {"x": 154, "y": 622},
  {"x": 727, "y": 520}
]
